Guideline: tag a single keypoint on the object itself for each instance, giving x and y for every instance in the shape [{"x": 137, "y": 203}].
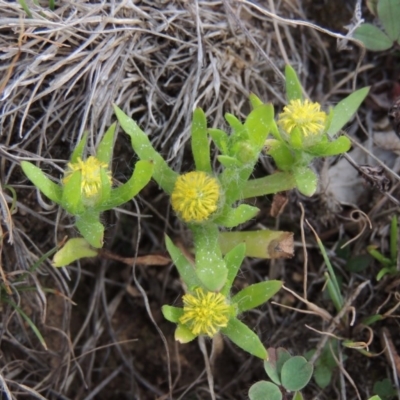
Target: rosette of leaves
[
  {"x": 304, "y": 133},
  {"x": 86, "y": 197},
  {"x": 287, "y": 373},
  {"x": 250, "y": 297}
]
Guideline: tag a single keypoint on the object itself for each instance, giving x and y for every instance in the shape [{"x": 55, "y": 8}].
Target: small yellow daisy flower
[
  {"x": 195, "y": 196},
  {"x": 204, "y": 313},
  {"x": 304, "y": 115},
  {"x": 91, "y": 176}
]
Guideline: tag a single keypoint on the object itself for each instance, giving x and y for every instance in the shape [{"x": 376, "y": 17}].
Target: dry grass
[{"x": 60, "y": 73}]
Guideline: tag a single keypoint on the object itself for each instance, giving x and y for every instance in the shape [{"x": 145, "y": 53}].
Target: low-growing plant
[
  {"x": 388, "y": 14},
  {"x": 86, "y": 191},
  {"x": 287, "y": 373}
]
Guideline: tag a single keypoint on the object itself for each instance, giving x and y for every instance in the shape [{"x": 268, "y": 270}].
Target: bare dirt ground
[{"x": 104, "y": 334}]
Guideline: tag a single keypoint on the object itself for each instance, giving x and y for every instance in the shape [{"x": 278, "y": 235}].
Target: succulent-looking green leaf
[
  {"x": 185, "y": 268},
  {"x": 296, "y": 373},
  {"x": 264, "y": 390},
  {"x": 233, "y": 261},
  {"x": 376, "y": 397},
  {"x": 139, "y": 179},
  {"x": 236, "y": 216},
  {"x": 281, "y": 154},
  {"x": 245, "y": 338},
  {"x": 73, "y": 250},
  {"x": 373, "y": 38},
  {"x": 72, "y": 197},
  {"x": 172, "y": 314},
  {"x": 105, "y": 148},
  {"x": 183, "y": 334},
  {"x": 294, "y": 89},
  {"x": 42, "y": 182},
  {"x": 200, "y": 145},
  {"x": 341, "y": 145},
  {"x": 91, "y": 229},
  {"x": 389, "y": 14},
  {"x": 254, "y": 295},
  {"x": 228, "y": 161},
  {"x": 78, "y": 151},
  {"x": 261, "y": 244},
  {"x": 220, "y": 139},
  {"x": 105, "y": 189},
  {"x": 210, "y": 266},
  {"x": 273, "y": 366},
  {"x": 258, "y": 124},
  {"x": 163, "y": 174},
  {"x": 235, "y": 124},
  {"x": 306, "y": 180},
  {"x": 345, "y": 109},
  {"x": 255, "y": 101}
]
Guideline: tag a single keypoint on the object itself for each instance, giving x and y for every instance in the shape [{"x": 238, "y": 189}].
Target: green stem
[{"x": 274, "y": 183}]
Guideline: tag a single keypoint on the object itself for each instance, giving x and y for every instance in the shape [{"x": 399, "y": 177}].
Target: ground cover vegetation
[{"x": 199, "y": 200}]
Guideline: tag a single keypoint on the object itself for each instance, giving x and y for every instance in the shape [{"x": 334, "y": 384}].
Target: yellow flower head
[
  {"x": 91, "y": 175},
  {"x": 204, "y": 313},
  {"x": 195, "y": 196},
  {"x": 304, "y": 115}
]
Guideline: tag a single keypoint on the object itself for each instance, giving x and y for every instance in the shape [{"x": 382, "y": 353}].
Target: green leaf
[
  {"x": 233, "y": 261},
  {"x": 163, "y": 174},
  {"x": 105, "y": 148},
  {"x": 298, "y": 396},
  {"x": 220, "y": 139},
  {"x": 258, "y": 125},
  {"x": 78, "y": 151},
  {"x": 296, "y": 373},
  {"x": 281, "y": 154},
  {"x": 73, "y": 250},
  {"x": 140, "y": 178},
  {"x": 236, "y": 216},
  {"x": 261, "y": 244},
  {"x": 105, "y": 189},
  {"x": 172, "y": 314},
  {"x": 228, "y": 161},
  {"x": 42, "y": 182},
  {"x": 372, "y": 319},
  {"x": 254, "y": 295},
  {"x": 273, "y": 366},
  {"x": 236, "y": 125},
  {"x": 333, "y": 148},
  {"x": 389, "y": 14},
  {"x": 373, "y": 38},
  {"x": 345, "y": 109},
  {"x": 245, "y": 338},
  {"x": 91, "y": 229},
  {"x": 322, "y": 376},
  {"x": 294, "y": 89},
  {"x": 185, "y": 268},
  {"x": 27, "y": 320},
  {"x": 255, "y": 101},
  {"x": 306, "y": 180},
  {"x": 72, "y": 196},
  {"x": 210, "y": 266},
  {"x": 264, "y": 390},
  {"x": 200, "y": 145},
  {"x": 183, "y": 334},
  {"x": 372, "y": 6}
]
